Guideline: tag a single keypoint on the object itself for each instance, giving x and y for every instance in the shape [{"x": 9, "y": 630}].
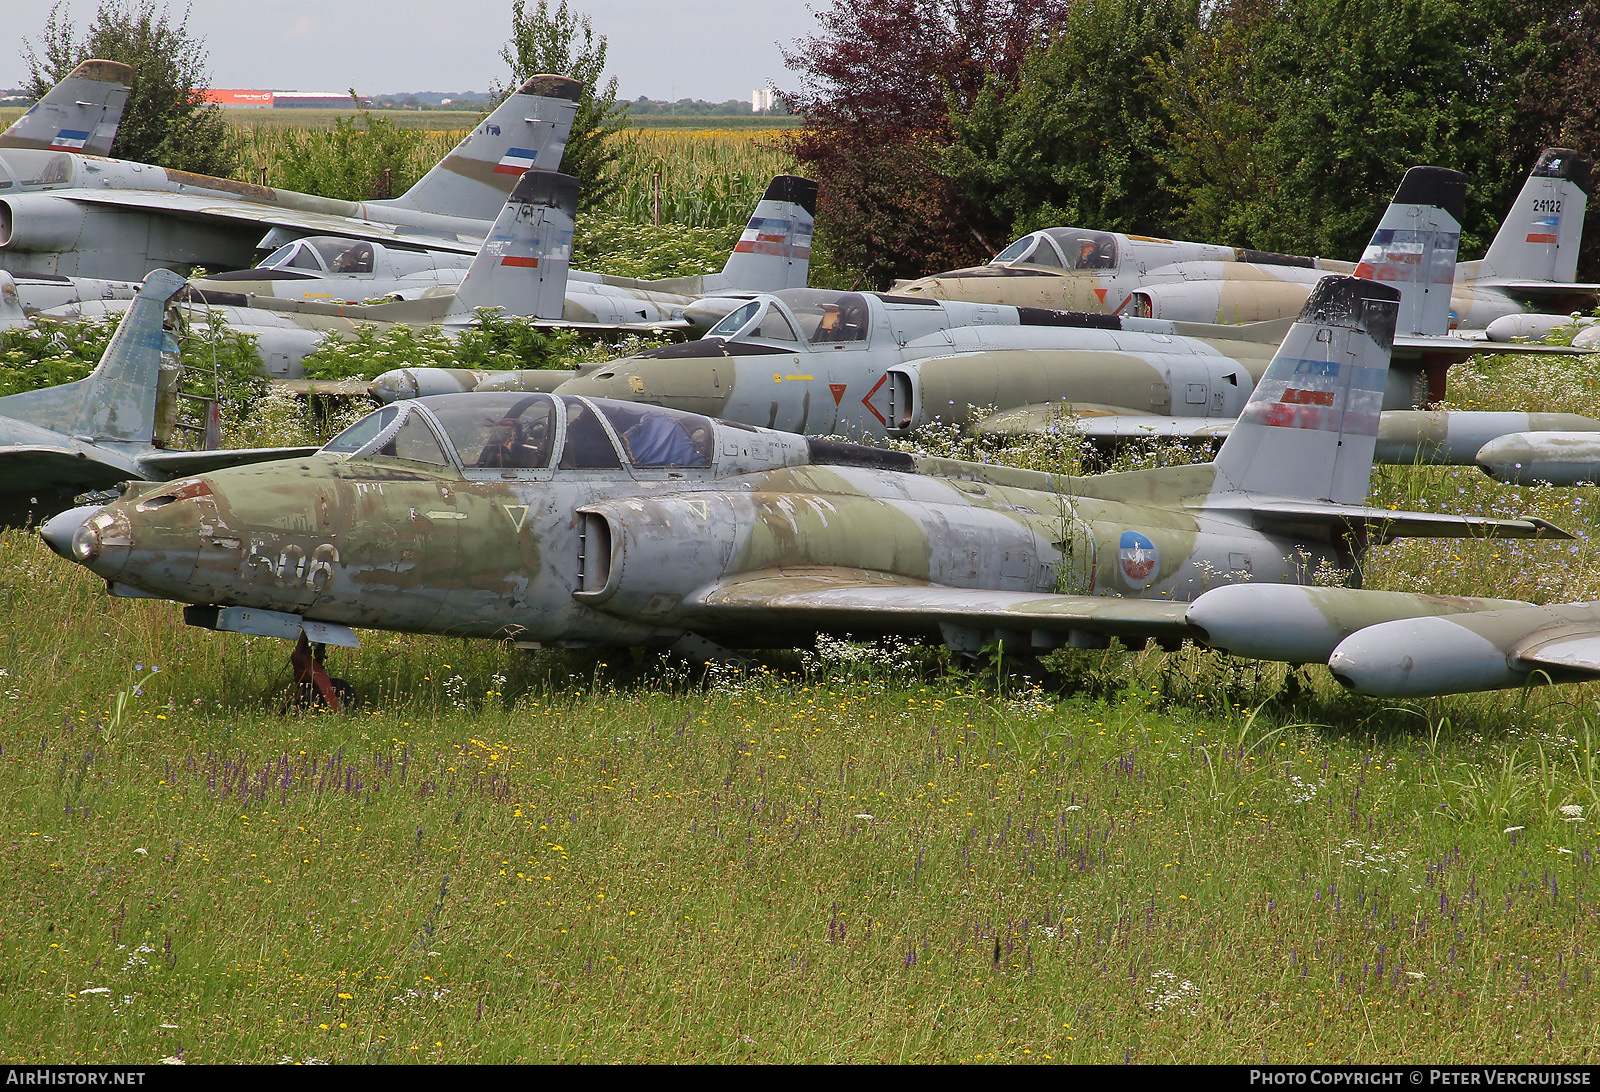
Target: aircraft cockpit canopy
[
  {"x": 40, "y": 167},
  {"x": 323, "y": 254},
  {"x": 814, "y": 315},
  {"x": 508, "y": 430},
  {"x": 1062, "y": 248}
]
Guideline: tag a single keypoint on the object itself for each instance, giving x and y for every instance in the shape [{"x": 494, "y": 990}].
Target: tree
[
  {"x": 1078, "y": 139},
  {"x": 563, "y": 43},
  {"x": 1294, "y": 119},
  {"x": 877, "y": 87},
  {"x": 167, "y": 120}
]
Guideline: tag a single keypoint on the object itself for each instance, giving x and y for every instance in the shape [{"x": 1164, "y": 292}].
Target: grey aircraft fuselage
[
  {"x": 774, "y": 363},
  {"x": 69, "y": 214},
  {"x": 565, "y": 520},
  {"x": 615, "y": 552}
]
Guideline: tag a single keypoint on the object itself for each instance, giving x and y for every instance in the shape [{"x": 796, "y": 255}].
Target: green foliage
[
  {"x": 563, "y": 43},
  {"x": 497, "y": 343},
  {"x": 50, "y": 354},
  {"x": 166, "y": 120},
  {"x": 361, "y": 158},
  {"x": 1077, "y": 139},
  {"x": 1265, "y": 157},
  {"x": 619, "y": 247}
]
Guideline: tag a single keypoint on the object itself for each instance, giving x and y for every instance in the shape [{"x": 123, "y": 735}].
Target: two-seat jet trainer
[{"x": 576, "y": 521}]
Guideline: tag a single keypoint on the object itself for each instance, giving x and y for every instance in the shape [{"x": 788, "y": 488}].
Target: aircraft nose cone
[
  {"x": 60, "y": 532},
  {"x": 394, "y": 386}
]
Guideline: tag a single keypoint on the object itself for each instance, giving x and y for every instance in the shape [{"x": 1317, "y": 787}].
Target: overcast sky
[{"x": 667, "y": 49}]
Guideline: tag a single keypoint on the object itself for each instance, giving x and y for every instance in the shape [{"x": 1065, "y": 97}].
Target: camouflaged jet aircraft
[
  {"x": 79, "y": 114},
  {"x": 66, "y": 213},
  {"x": 572, "y": 521},
  {"x": 868, "y": 366},
  {"x": 91, "y": 434},
  {"x": 1530, "y": 264}
]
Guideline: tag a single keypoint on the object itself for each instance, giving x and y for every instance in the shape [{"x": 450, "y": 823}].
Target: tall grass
[{"x": 853, "y": 856}]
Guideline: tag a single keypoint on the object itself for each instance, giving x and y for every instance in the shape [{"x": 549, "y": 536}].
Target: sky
[{"x": 667, "y": 49}]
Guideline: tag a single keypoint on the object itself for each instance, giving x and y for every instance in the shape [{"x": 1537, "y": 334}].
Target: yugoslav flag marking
[
  {"x": 1138, "y": 557},
  {"x": 70, "y": 138},
  {"x": 516, "y": 161},
  {"x": 512, "y": 259}
]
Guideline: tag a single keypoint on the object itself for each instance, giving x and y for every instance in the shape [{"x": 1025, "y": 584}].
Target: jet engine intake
[{"x": 37, "y": 221}]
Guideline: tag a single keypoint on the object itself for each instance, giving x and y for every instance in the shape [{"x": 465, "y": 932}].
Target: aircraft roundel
[{"x": 1138, "y": 557}]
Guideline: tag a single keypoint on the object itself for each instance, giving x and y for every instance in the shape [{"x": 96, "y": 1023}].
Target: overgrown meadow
[{"x": 844, "y": 853}]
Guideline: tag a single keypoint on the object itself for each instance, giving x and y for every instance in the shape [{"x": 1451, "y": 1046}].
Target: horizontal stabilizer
[{"x": 1380, "y": 524}]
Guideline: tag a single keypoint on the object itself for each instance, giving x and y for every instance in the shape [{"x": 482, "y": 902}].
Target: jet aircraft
[
  {"x": 330, "y": 268},
  {"x": 79, "y": 114},
  {"x": 575, "y": 521},
  {"x": 100, "y": 430},
  {"x": 868, "y": 366},
  {"x": 65, "y": 213},
  {"x": 1531, "y": 263}
]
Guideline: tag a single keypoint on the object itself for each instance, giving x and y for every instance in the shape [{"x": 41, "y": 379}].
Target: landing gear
[{"x": 312, "y": 683}]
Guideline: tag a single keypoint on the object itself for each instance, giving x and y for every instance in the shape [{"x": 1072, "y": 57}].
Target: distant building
[
  {"x": 762, "y": 100},
  {"x": 232, "y": 99},
  {"x": 237, "y": 99}
]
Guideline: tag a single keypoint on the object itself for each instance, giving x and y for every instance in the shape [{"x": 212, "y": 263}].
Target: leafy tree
[
  {"x": 563, "y": 43},
  {"x": 1079, "y": 138},
  {"x": 1294, "y": 119},
  {"x": 1559, "y": 103},
  {"x": 167, "y": 120},
  {"x": 877, "y": 87}
]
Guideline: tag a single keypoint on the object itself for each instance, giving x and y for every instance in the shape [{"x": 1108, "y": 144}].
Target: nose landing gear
[{"x": 312, "y": 683}]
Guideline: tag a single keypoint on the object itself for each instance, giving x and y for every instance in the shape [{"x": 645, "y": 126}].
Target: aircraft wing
[
  {"x": 1578, "y": 652},
  {"x": 243, "y": 213},
  {"x": 180, "y": 464},
  {"x": 1539, "y": 289},
  {"x": 1460, "y": 347},
  {"x": 70, "y": 466},
  {"x": 846, "y": 599},
  {"x": 1101, "y": 423}
]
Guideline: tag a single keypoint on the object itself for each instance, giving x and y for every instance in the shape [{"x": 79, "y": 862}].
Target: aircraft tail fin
[
  {"x": 1310, "y": 427},
  {"x": 79, "y": 114},
  {"x": 522, "y": 266},
  {"x": 117, "y": 401},
  {"x": 526, "y": 132},
  {"x": 1538, "y": 241},
  {"x": 774, "y": 252},
  {"x": 1414, "y": 247}
]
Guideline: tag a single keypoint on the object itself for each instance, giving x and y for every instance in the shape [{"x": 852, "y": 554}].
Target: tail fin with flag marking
[
  {"x": 1310, "y": 427},
  {"x": 526, "y": 132},
  {"x": 1414, "y": 247},
  {"x": 774, "y": 252},
  {"x": 1539, "y": 239},
  {"x": 79, "y": 114},
  {"x": 523, "y": 264}
]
